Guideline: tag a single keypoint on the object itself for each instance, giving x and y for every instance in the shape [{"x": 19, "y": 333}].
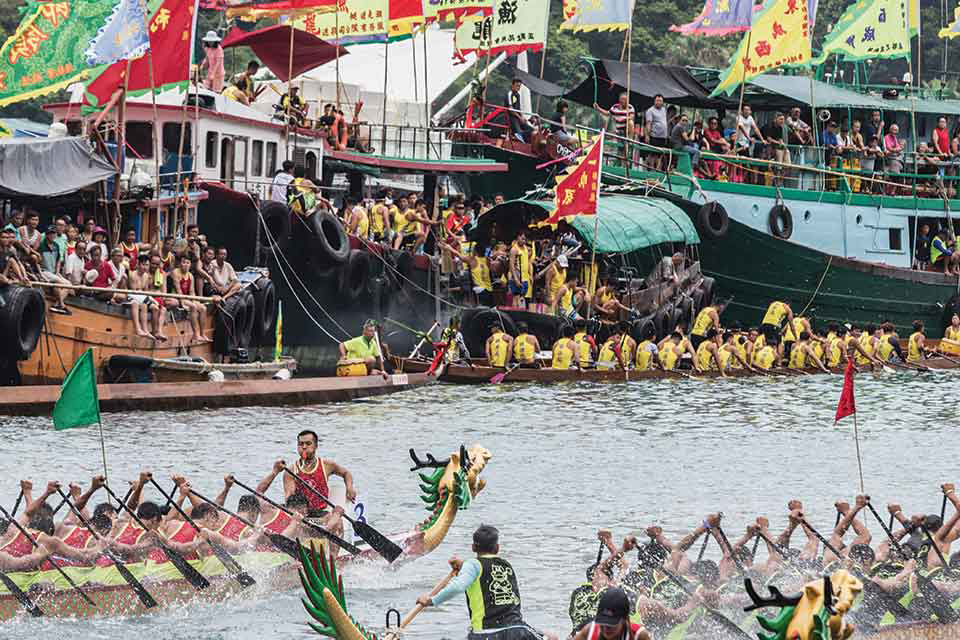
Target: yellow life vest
[
  {"x": 376, "y": 220},
  {"x": 565, "y": 303},
  {"x": 885, "y": 349},
  {"x": 703, "y": 322},
  {"x": 606, "y": 297},
  {"x": 608, "y": 352},
  {"x": 629, "y": 347},
  {"x": 669, "y": 356},
  {"x": 952, "y": 334},
  {"x": 644, "y": 356},
  {"x": 452, "y": 354},
  {"x": 914, "y": 352},
  {"x": 741, "y": 348},
  {"x": 793, "y": 333},
  {"x": 775, "y": 314},
  {"x": 523, "y": 350},
  {"x": 563, "y": 354},
  {"x": 866, "y": 343},
  {"x": 584, "y": 349},
  {"x": 817, "y": 350},
  {"x": 363, "y": 227},
  {"x": 499, "y": 350},
  {"x": 405, "y": 226},
  {"x": 798, "y": 357},
  {"x": 705, "y": 357},
  {"x": 556, "y": 281},
  {"x": 835, "y": 348},
  {"x": 300, "y": 199},
  {"x": 765, "y": 357},
  {"x": 758, "y": 344},
  {"x": 480, "y": 272}
]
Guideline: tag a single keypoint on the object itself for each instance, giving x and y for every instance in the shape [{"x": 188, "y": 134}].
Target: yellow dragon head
[{"x": 815, "y": 614}]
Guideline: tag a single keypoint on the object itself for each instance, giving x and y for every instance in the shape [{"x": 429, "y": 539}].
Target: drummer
[{"x": 364, "y": 348}]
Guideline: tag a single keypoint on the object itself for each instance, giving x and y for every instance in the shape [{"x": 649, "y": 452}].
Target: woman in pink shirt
[{"x": 213, "y": 62}]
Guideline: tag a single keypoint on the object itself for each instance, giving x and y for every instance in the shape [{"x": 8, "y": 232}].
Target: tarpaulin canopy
[
  {"x": 272, "y": 46},
  {"x": 797, "y": 90},
  {"x": 46, "y": 167},
  {"x": 536, "y": 84},
  {"x": 625, "y": 224}
]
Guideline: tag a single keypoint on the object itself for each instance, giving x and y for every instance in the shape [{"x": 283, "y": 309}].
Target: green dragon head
[
  {"x": 326, "y": 601},
  {"x": 815, "y": 614}
]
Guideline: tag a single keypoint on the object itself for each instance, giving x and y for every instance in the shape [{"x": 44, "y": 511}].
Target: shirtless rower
[
  {"x": 848, "y": 518},
  {"x": 314, "y": 471}
]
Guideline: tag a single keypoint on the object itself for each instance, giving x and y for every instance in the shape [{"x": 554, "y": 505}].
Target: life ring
[
  {"x": 354, "y": 275},
  {"x": 329, "y": 242},
  {"x": 781, "y": 222},
  {"x": 233, "y": 325},
  {"x": 713, "y": 220},
  {"x": 277, "y": 225},
  {"x": 21, "y": 321},
  {"x": 264, "y": 308},
  {"x": 707, "y": 286}
]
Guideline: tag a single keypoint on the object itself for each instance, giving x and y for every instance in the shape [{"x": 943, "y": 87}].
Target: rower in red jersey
[{"x": 314, "y": 471}]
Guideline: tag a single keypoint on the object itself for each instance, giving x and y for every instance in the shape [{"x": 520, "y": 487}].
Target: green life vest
[{"x": 493, "y": 599}]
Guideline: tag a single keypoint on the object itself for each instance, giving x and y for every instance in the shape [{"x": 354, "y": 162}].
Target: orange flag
[{"x": 577, "y": 189}]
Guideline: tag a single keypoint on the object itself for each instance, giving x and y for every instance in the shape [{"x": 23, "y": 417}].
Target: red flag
[
  {"x": 846, "y": 406},
  {"x": 171, "y": 27},
  {"x": 576, "y": 192}
]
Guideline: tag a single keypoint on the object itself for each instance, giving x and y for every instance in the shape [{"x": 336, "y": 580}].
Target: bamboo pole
[
  {"x": 386, "y": 60},
  {"x": 149, "y": 294},
  {"x": 286, "y": 112},
  {"x": 336, "y": 26}
]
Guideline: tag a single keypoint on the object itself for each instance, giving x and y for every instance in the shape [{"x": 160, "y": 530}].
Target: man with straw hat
[{"x": 213, "y": 62}]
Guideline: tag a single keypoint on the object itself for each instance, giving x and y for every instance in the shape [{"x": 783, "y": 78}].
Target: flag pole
[
  {"x": 856, "y": 438},
  {"x": 103, "y": 450},
  {"x": 591, "y": 275}
]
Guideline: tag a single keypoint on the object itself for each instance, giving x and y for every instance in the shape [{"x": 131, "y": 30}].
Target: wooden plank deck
[{"x": 175, "y": 396}]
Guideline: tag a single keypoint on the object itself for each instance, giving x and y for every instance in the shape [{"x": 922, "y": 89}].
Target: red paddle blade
[{"x": 497, "y": 379}]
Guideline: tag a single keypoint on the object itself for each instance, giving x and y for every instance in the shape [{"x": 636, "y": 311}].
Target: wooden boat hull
[
  {"x": 916, "y": 631},
  {"x": 175, "y": 370},
  {"x": 480, "y": 374}
]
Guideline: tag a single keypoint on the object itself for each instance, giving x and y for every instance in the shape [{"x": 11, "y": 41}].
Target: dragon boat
[
  {"x": 450, "y": 487},
  {"x": 481, "y": 372}
]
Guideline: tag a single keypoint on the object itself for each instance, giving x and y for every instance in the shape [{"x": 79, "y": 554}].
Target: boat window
[
  {"x": 140, "y": 138},
  {"x": 171, "y": 138},
  {"x": 74, "y": 128},
  {"x": 256, "y": 158},
  {"x": 271, "y": 158},
  {"x": 210, "y": 153},
  {"x": 895, "y": 243}
]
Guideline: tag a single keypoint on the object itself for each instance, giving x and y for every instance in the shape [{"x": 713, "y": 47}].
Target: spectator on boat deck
[
  {"x": 922, "y": 256},
  {"x": 100, "y": 239},
  {"x": 10, "y": 268},
  {"x": 244, "y": 81},
  {"x": 858, "y": 149},
  {"x": 519, "y": 126},
  {"x": 747, "y": 134},
  {"x": 874, "y": 127},
  {"x": 293, "y": 106},
  {"x": 72, "y": 237},
  {"x": 559, "y": 125},
  {"x": 225, "y": 281},
  {"x": 29, "y": 236},
  {"x": 656, "y": 129},
  {"x": 943, "y": 251},
  {"x": 166, "y": 254},
  {"x": 776, "y": 134},
  {"x": 51, "y": 266},
  {"x": 213, "y": 61},
  {"x": 498, "y": 199},
  {"x": 201, "y": 271},
  {"x": 873, "y": 159},
  {"x": 830, "y": 142},
  {"x": 326, "y": 120},
  {"x": 141, "y": 304},
  {"x": 185, "y": 284},
  {"x": 940, "y": 138},
  {"x": 61, "y": 226},
  {"x": 800, "y": 131},
  {"x": 100, "y": 273},
  {"x": 682, "y": 140},
  {"x": 116, "y": 258},
  {"x": 715, "y": 143},
  {"x": 278, "y": 189},
  {"x": 88, "y": 228},
  {"x": 893, "y": 154},
  {"x": 73, "y": 267}
]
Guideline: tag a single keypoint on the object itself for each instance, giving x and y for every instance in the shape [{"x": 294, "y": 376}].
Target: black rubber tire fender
[
  {"x": 123, "y": 361},
  {"x": 713, "y": 220},
  {"x": 233, "y": 323},
  {"x": 403, "y": 264},
  {"x": 265, "y": 308},
  {"x": 355, "y": 276},
  {"x": 708, "y": 288},
  {"x": 780, "y": 221},
  {"x": 641, "y": 327},
  {"x": 661, "y": 320},
  {"x": 276, "y": 219},
  {"x": 381, "y": 297},
  {"x": 246, "y": 319},
  {"x": 21, "y": 321},
  {"x": 329, "y": 242},
  {"x": 475, "y": 333}
]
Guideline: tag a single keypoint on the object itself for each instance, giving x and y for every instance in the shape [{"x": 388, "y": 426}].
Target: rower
[
  {"x": 768, "y": 355},
  {"x": 777, "y": 313},
  {"x": 453, "y": 345},
  {"x": 612, "y": 354},
  {"x": 493, "y": 593},
  {"x": 565, "y": 350},
  {"x": 953, "y": 331},
  {"x": 363, "y": 348},
  {"x": 708, "y": 353},
  {"x": 314, "y": 471},
  {"x": 248, "y": 508},
  {"x": 792, "y": 330},
  {"x": 749, "y": 341},
  {"x": 848, "y": 518},
  {"x": 525, "y": 346},
  {"x": 860, "y": 346},
  {"x": 556, "y": 277},
  {"x": 612, "y": 621},
  {"x": 888, "y": 344},
  {"x": 647, "y": 351},
  {"x": 606, "y": 302},
  {"x": 802, "y": 354},
  {"x": 916, "y": 347},
  {"x": 586, "y": 346},
  {"x": 499, "y": 347},
  {"x": 733, "y": 353},
  {"x": 672, "y": 348},
  {"x": 707, "y": 318}
]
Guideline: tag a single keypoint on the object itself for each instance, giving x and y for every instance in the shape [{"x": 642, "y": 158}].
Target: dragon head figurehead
[
  {"x": 815, "y": 614},
  {"x": 452, "y": 486}
]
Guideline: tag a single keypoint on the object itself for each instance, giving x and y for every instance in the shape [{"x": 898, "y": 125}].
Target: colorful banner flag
[
  {"x": 170, "y": 30},
  {"x": 846, "y": 406},
  {"x": 278, "y": 334},
  {"x": 45, "y": 53},
  {"x": 780, "y": 36},
  {"x": 577, "y": 190},
  {"x": 870, "y": 29},
  {"x": 78, "y": 405},
  {"x": 123, "y": 36},
  {"x": 719, "y": 18},
  {"x": 952, "y": 30},
  {"x": 515, "y": 26},
  {"x": 252, "y": 11},
  {"x": 356, "y": 21},
  {"x": 404, "y": 16},
  {"x": 439, "y": 10},
  {"x": 597, "y": 15}
]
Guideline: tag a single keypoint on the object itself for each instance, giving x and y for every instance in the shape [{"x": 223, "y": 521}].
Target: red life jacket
[
  {"x": 277, "y": 525},
  {"x": 629, "y": 634},
  {"x": 18, "y": 547},
  {"x": 318, "y": 480},
  {"x": 232, "y": 528},
  {"x": 78, "y": 539},
  {"x": 185, "y": 534}
]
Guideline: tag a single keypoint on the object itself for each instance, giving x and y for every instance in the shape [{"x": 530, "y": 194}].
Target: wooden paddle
[
  {"x": 729, "y": 625},
  {"x": 497, "y": 379},
  {"x": 281, "y": 542},
  {"x": 946, "y": 357},
  {"x": 142, "y": 594},
  {"x": 59, "y": 569},
  {"x": 726, "y": 543},
  {"x": 194, "y": 577},
  {"x": 238, "y": 573},
  {"x": 377, "y": 541},
  {"x": 454, "y": 570},
  {"x": 332, "y": 537}
]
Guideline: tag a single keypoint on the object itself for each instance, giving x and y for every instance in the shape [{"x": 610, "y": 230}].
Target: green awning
[{"x": 798, "y": 88}]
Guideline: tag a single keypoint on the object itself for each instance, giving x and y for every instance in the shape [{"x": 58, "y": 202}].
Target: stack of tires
[
  {"x": 680, "y": 311},
  {"x": 22, "y": 311},
  {"x": 247, "y": 318}
]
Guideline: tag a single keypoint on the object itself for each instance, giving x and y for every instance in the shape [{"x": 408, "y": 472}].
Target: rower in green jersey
[{"x": 492, "y": 590}]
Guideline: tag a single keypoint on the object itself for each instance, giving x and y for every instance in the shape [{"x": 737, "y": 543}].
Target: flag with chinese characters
[
  {"x": 719, "y": 18},
  {"x": 513, "y": 27},
  {"x": 404, "y": 16},
  {"x": 46, "y": 52},
  {"x": 252, "y": 11},
  {"x": 577, "y": 190},
  {"x": 123, "y": 36},
  {"x": 952, "y": 30},
  {"x": 356, "y": 21},
  {"x": 170, "y": 29},
  {"x": 780, "y": 36},
  {"x": 439, "y": 10},
  {"x": 597, "y": 15},
  {"x": 870, "y": 29}
]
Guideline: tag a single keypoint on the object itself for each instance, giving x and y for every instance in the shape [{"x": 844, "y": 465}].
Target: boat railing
[{"x": 406, "y": 142}]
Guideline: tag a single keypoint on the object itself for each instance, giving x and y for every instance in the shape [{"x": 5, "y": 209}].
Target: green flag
[
  {"x": 871, "y": 29},
  {"x": 78, "y": 405}
]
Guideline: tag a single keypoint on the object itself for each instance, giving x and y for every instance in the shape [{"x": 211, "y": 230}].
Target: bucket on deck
[{"x": 351, "y": 367}]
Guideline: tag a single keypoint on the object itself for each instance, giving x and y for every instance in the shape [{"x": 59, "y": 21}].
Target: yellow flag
[{"x": 779, "y": 37}]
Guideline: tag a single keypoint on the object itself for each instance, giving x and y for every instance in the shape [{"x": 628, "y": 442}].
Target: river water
[{"x": 567, "y": 459}]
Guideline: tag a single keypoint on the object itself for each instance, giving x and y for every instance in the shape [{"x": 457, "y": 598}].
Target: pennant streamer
[
  {"x": 780, "y": 36},
  {"x": 719, "y": 18},
  {"x": 576, "y": 191},
  {"x": 597, "y": 15},
  {"x": 123, "y": 36},
  {"x": 252, "y": 11},
  {"x": 434, "y": 10},
  {"x": 515, "y": 26},
  {"x": 877, "y": 29},
  {"x": 952, "y": 30}
]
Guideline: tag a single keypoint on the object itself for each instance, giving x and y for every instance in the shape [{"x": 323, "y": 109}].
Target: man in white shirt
[
  {"x": 746, "y": 128},
  {"x": 223, "y": 277},
  {"x": 278, "y": 190},
  {"x": 73, "y": 267}
]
